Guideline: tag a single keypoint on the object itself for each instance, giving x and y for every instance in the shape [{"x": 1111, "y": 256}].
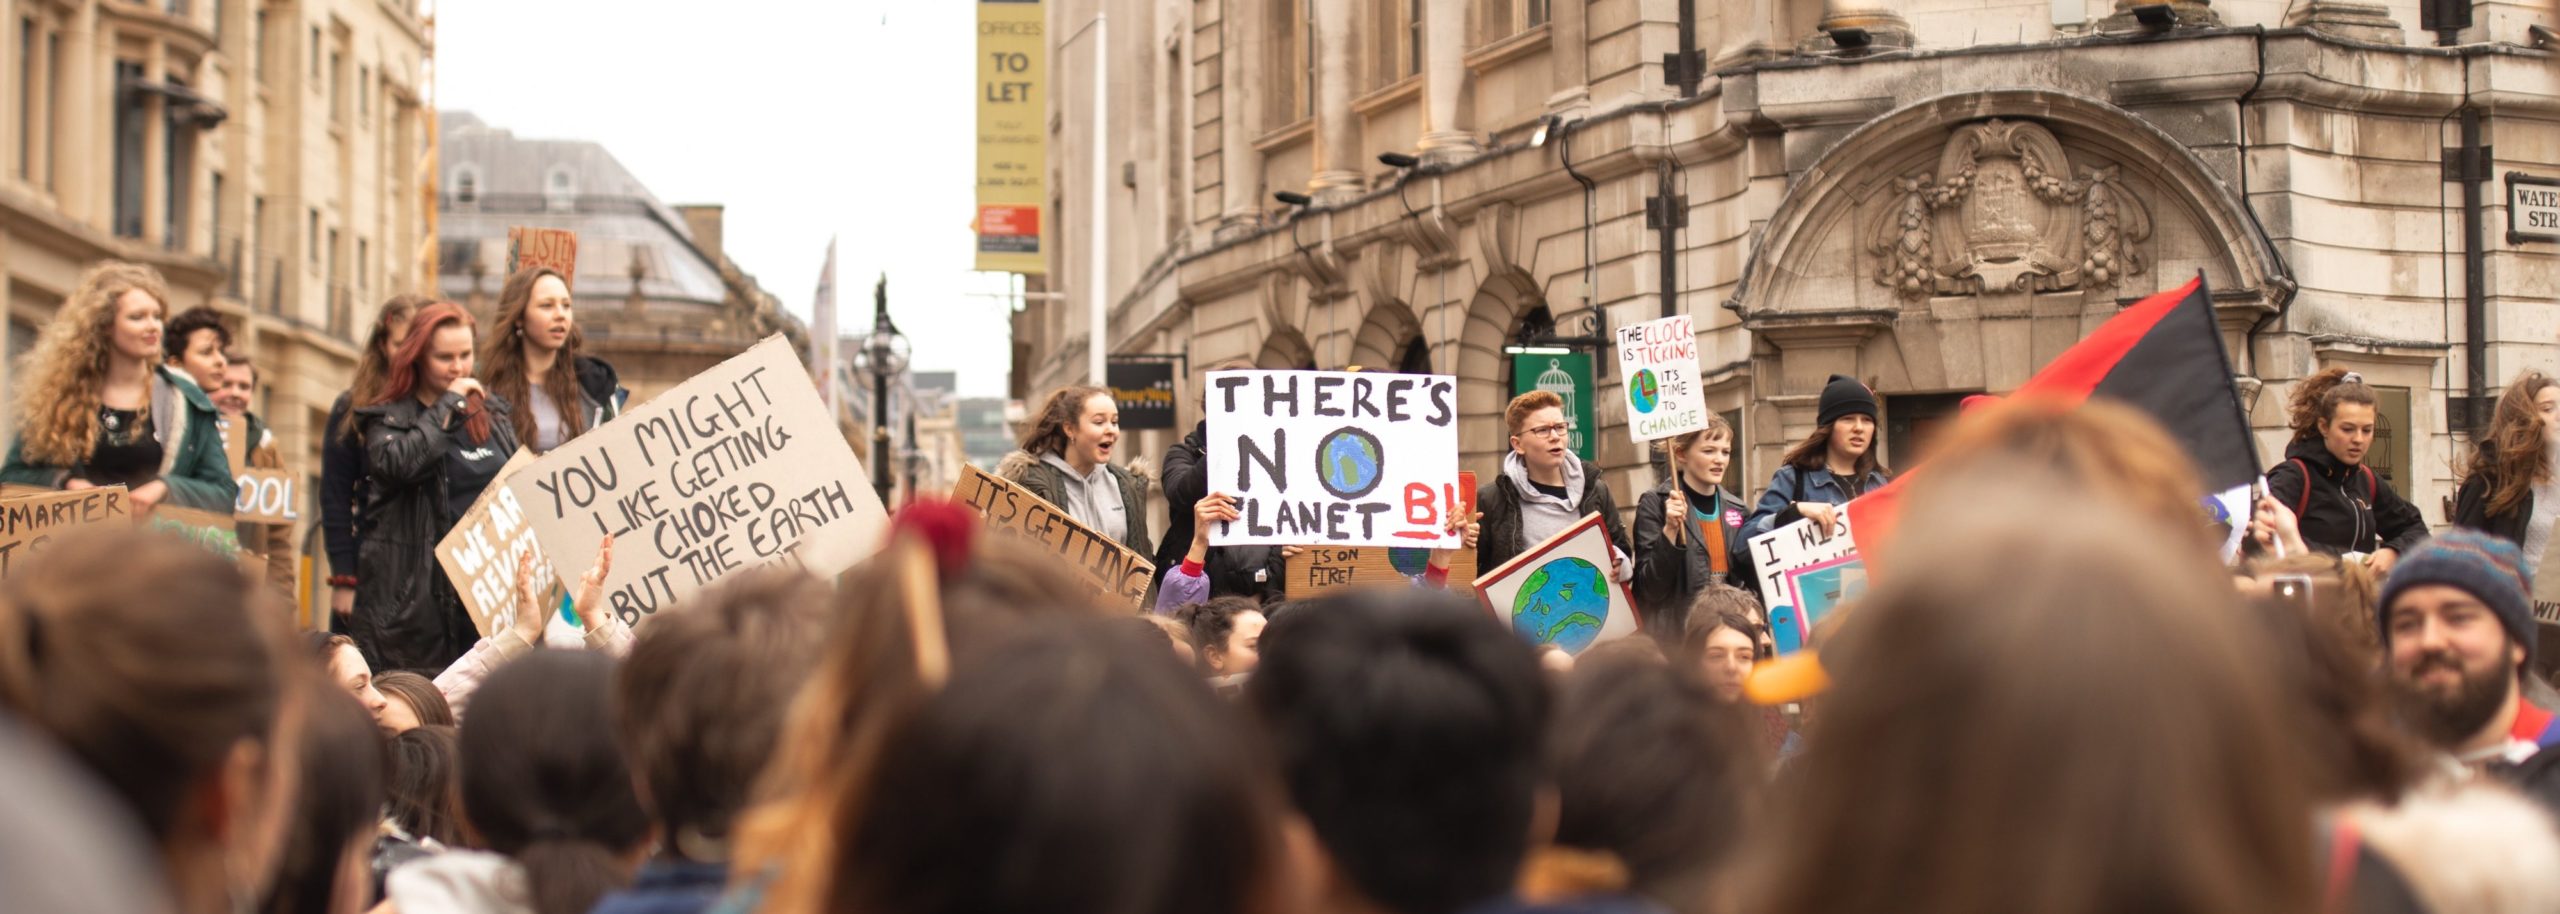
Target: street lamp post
[{"x": 885, "y": 354}]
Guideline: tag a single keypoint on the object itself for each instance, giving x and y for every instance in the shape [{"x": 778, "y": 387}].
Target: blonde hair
[
  {"x": 1681, "y": 444},
  {"x": 58, "y": 403}
]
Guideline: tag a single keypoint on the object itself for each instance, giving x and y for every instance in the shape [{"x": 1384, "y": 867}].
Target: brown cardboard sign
[
  {"x": 30, "y": 522},
  {"x": 1118, "y": 572},
  {"x": 541, "y": 247},
  {"x": 268, "y": 496},
  {"x": 479, "y": 554}
]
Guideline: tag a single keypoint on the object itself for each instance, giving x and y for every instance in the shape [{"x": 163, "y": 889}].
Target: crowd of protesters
[{"x": 2061, "y": 693}]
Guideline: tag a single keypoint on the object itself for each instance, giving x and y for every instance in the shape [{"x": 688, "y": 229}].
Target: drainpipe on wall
[{"x": 2470, "y": 165}]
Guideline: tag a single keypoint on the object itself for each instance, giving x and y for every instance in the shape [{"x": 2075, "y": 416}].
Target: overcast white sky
[{"x": 807, "y": 119}]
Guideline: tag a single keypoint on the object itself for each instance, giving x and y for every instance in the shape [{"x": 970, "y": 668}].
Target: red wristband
[
  {"x": 1435, "y": 576},
  {"x": 342, "y": 580},
  {"x": 1191, "y": 569}
]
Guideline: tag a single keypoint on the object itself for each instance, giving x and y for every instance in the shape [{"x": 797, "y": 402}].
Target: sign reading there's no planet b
[
  {"x": 1659, "y": 360},
  {"x": 1334, "y": 458},
  {"x": 1559, "y": 592},
  {"x": 736, "y": 468}
]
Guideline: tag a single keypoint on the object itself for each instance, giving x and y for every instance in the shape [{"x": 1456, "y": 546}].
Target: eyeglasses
[{"x": 1547, "y": 431}]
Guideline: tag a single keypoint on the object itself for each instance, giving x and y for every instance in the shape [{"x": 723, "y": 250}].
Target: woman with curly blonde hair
[{"x": 99, "y": 409}]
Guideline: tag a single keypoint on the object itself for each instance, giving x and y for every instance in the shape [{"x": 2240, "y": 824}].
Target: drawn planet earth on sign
[
  {"x": 1407, "y": 560},
  {"x": 1563, "y": 603},
  {"x": 1644, "y": 391},
  {"x": 1349, "y": 463}
]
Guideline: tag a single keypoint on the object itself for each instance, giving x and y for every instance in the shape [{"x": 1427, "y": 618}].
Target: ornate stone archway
[{"x": 1961, "y": 242}]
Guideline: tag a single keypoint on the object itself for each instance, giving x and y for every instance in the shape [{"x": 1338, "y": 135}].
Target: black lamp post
[{"x": 884, "y": 355}]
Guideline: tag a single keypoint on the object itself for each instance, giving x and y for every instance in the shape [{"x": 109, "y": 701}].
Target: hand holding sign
[{"x": 591, "y": 588}]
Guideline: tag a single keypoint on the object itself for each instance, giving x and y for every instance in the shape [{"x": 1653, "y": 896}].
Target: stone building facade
[
  {"x": 267, "y": 156},
  {"x": 1935, "y": 196},
  {"x": 655, "y": 294}
]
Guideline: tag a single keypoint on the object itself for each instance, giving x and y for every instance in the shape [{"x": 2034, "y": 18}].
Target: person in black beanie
[{"x": 1834, "y": 464}]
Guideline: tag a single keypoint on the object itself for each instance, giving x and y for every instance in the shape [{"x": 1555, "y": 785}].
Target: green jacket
[{"x": 198, "y": 474}]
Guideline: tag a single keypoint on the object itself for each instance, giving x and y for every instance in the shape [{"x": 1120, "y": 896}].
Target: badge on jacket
[{"x": 1733, "y": 517}]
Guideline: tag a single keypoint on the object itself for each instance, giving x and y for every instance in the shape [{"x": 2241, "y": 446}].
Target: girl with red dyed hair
[{"x": 433, "y": 439}]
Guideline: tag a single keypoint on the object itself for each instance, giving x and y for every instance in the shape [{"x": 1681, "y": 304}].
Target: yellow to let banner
[{"x": 1013, "y": 114}]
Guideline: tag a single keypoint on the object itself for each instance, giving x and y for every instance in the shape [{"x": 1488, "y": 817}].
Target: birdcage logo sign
[{"x": 1557, "y": 381}]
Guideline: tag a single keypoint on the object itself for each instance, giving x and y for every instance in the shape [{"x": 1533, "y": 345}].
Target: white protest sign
[
  {"x": 268, "y": 496},
  {"x": 1659, "y": 359},
  {"x": 1334, "y": 457},
  {"x": 1794, "y": 546},
  {"x": 1559, "y": 591},
  {"x": 738, "y": 467}
]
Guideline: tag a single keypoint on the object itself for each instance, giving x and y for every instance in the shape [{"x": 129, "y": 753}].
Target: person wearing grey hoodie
[
  {"x": 1066, "y": 460},
  {"x": 1542, "y": 489}
]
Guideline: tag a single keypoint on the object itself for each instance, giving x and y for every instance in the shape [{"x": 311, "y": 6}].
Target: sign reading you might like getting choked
[{"x": 1334, "y": 458}]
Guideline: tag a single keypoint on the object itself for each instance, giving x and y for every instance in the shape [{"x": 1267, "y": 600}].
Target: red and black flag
[{"x": 2164, "y": 356}]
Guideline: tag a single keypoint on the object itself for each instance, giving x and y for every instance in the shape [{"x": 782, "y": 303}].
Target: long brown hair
[
  {"x": 406, "y": 364},
  {"x": 1048, "y": 431},
  {"x": 373, "y": 365},
  {"x": 2317, "y": 397},
  {"x": 2510, "y": 458},
  {"x": 58, "y": 395},
  {"x": 148, "y": 658},
  {"x": 502, "y": 360},
  {"x": 1814, "y": 452},
  {"x": 869, "y": 678},
  {"x": 2066, "y": 714}
]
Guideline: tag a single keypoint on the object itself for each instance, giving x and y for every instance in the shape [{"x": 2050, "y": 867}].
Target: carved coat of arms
[{"x": 2003, "y": 212}]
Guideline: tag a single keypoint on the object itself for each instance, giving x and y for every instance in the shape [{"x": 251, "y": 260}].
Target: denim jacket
[{"x": 1792, "y": 485}]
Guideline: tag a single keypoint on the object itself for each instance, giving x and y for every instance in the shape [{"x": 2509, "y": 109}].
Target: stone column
[
  {"x": 1239, "y": 122},
  {"x": 2345, "y": 19},
  {"x": 84, "y": 193},
  {"x": 1745, "y": 34},
  {"x": 1337, "y": 152},
  {"x": 1885, "y": 26},
  {"x": 155, "y": 148},
  {"x": 1444, "y": 74},
  {"x": 1569, "y": 56}
]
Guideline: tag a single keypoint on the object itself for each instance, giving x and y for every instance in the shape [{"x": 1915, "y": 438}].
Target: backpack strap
[
  {"x": 2306, "y": 486},
  {"x": 2372, "y": 488}
]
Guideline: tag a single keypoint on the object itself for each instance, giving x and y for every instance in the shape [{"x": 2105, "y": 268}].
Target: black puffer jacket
[
  {"x": 2343, "y": 508},
  {"x": 600, "y": 390},
  {"x": 2471, "y": 511},
  {"x": 407, "y": 614},
  {"x": 1668, "y": 575}
]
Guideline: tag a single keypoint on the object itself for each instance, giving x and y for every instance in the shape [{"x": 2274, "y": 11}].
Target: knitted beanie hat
[
  {"x": 2487, "y": 567},
  {"x": 1844, "y": 396}
]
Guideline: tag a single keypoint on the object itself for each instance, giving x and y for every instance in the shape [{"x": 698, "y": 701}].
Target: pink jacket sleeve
[{"x": 1181, "y": 589}]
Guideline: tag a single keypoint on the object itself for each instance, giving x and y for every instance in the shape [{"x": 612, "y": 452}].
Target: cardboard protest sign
[
  {"x": 235, "y": 441},
  {"x": 542, "y": 247},
  {"x": 268, "y": 496},
  {"x": 736, "y": 468},
  {"x": 1820, "y": 588},
  {"x": 2546, "y": 601},
  {"x": 1559, "y": 592},
  {"x": 1117, "y": 572},
  {"x": 1319, "y": 569},
  {"x": 29, "y": 522},
  {"x": 1659, "y": 359},
  {"x": 1794, "y": 546},
  {"x": 479, "y": 554},
  {"x": 1334, "y": 457},
  {"x": 212, "y": 531}
]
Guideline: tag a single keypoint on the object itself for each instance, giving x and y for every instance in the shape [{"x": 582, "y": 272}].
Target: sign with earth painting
[
  {"x": 1335, "y": 458},
  {"x": 1559, "y": 592}
]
